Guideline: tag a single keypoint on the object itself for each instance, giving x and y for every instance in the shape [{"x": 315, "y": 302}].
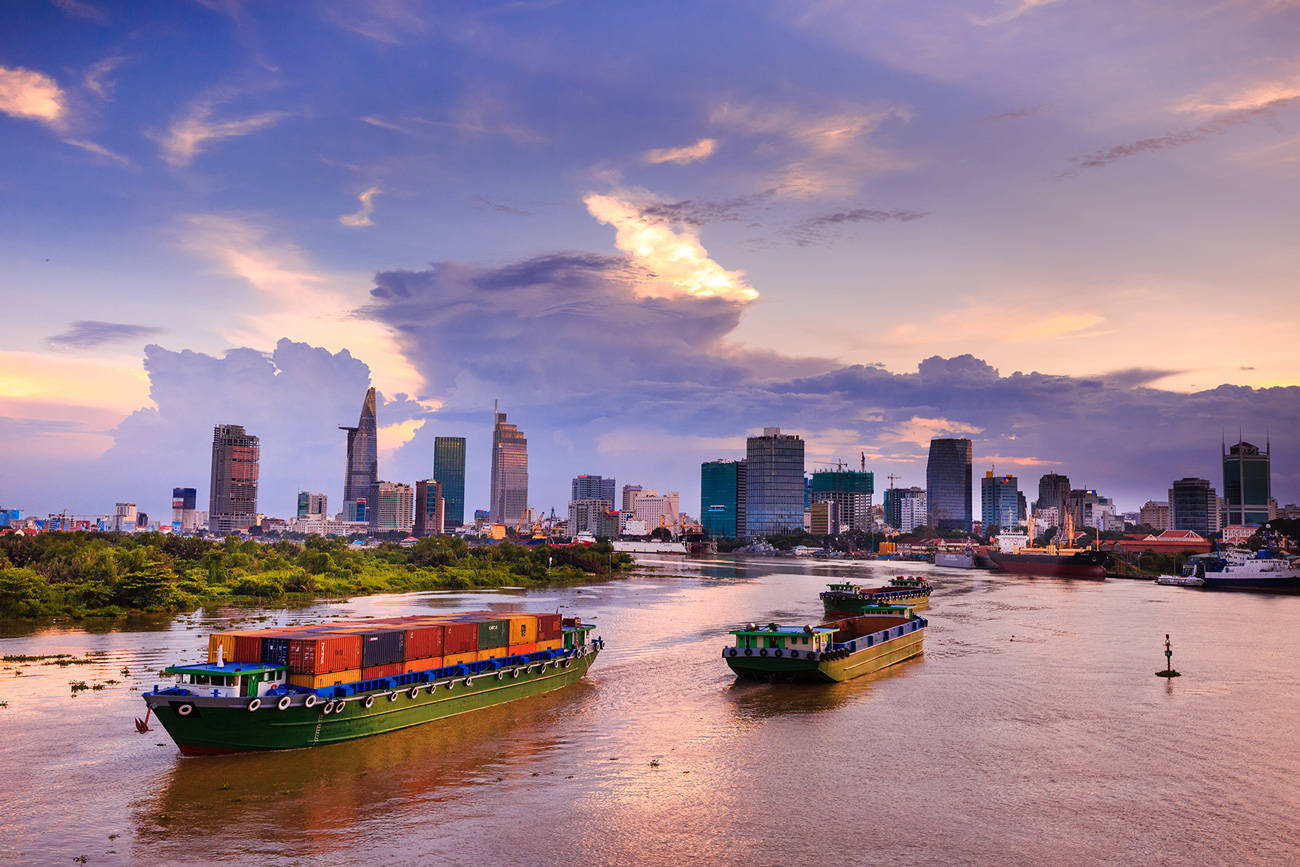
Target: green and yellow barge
[{"x": 849, "y": 599}]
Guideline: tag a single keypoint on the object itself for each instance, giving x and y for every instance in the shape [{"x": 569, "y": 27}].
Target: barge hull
[{"x": 786, "y": 670}]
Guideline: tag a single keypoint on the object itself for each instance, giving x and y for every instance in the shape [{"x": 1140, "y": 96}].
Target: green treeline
[{"x": 106, "y": 574}]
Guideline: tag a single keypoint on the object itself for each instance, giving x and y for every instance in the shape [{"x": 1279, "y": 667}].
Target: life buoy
[
  {"x": 514, "y": 673},
  {"x": 469, "y": 681},
  {"x": 283, "y": 703},
  {"x": 370, "y": 701},
  {"x": 501, "y": 675},
  {"x": 749, "y": 651},
  {"x": 310, "y": 701},
  {"x": 392, "y": 696},
  {"x": 763, "y": 652},
  {"x": 184, "y": 710},
  {"x": 329, "y": 707},
  {"x": 777, "y": 652},
  {"x": 566, "y": 663},
  {"x": 255, "y": 704},
  {"x": 450, "y": 684},
  {"x": 413, "y": 692},
  {"x": 794, "y": 654},
  {"x": 338, "y": 708}
]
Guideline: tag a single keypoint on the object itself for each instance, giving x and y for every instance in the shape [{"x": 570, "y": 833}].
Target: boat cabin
[
  {"x": 815, "y": 639},
  {"x": 845, "y": 588},
  {"x": 232, "y": 680},
  {"x": 576, "y": 635}
]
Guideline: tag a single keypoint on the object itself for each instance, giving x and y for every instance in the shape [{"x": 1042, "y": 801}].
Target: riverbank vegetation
[{"x": 104, "y": 574}]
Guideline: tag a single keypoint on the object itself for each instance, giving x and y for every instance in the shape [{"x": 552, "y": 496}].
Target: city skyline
[{"x": 871, "y": 226}]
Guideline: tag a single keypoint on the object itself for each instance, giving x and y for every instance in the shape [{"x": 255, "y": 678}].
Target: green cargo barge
[{"x": 216, "y": 709}]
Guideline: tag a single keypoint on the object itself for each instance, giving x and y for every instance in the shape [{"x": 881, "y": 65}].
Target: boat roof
[
  {"x": 786, "y": 630},
  {"x": 228, "y": 668}
]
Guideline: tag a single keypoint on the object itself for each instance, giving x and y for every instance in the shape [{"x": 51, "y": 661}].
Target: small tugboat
[
  {"x": 850, "y": 599},
  {"x": 1262, "y": 570},
  {"x": 302, "y": 687},
  {"x": 829, "y": 652}
]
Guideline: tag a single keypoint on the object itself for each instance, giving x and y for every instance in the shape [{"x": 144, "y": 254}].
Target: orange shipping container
[
  {"x": 521, "y": 649},
  {"x": 491, "y": 653},
  {"x": 460, "y": 658},
  {"x": 321, "y": 681},
  {"x": 557, "y": 644},
  {"x": 224, "y": 640},
  {"x": 523, "y": 629},
  {"x": 421, "y": 664},
  {"x": 392, "y": 669}
]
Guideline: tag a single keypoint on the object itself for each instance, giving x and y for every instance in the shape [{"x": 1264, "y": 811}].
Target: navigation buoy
[{"x": 1169, "y": 661}]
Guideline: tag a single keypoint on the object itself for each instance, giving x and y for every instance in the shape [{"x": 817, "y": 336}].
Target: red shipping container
[
  {"x": 460, "y": 638},
  {"x": 248, "y": 648},
  {"x": 323, "y": 654},
  {"x": 549, "y": 627},
  {"x": 391, "y": 670},
  {"x": 521, "y": 649},
  {"x": 423, "y": 642}
]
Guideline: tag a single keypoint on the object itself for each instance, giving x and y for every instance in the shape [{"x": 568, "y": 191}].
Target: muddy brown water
[{"x": 1033, "y": 730}]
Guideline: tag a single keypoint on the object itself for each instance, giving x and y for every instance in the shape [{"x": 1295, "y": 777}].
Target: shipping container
[
  {"x": 493, "y": 633},
  {"x": 323, "y": 653},
  {"x": 555, "y": 644},
  {"x": 460, "y": 658},
  {"x": 521, "y": 649},
  {"x": 460, "y": 638},
  {"x": 321, "y": 681},
  {"x": 248, "y": 647},
  {"x": 422, "y": 664},
  {"x": 390, "y": 670},
  {"x": 275, "y": 649},
  {"x": 549, "y": 627},
  {"x": 492, "y": 653},
  {"x": 382, "y": 647},
  {"x": 424, "y": 641},
  {"x": 224, "y": 640},
  {"x": 523, "y": 629}
]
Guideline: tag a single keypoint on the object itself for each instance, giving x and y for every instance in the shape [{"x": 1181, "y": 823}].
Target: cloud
[
  {"x": 82, "y": 9},
  {"x": 701, "y": 212},
  {"x": 500, "y": 207},
  {"x": 701, "y": 150},
  {"x": 190, "y": 134},
  {"x": 98, "y": 150},
  {"x": 1019, "y": 114},
  {"x": 389, "y": 22},
  {"x": 1012, "y": 12},
  {"x": 87, "y": 333},
  {"x": 32, "y": 95},
  {"x": 1262, "y": 95},
  {"x": 96, "y": 77},
  {"x": 817, "y": 228},
  {"x": 918, "y": 430},
  {"x": 362, "y": 216},
  {"x": 676, "y": 261}
]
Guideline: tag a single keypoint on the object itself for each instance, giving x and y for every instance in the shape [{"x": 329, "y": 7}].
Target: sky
[{"x": 1065, "y": 229}]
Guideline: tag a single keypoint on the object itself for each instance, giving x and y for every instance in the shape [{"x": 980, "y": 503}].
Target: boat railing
[
  {"x": 862, "y": 642},
  {"x": 446, "y": 672}
]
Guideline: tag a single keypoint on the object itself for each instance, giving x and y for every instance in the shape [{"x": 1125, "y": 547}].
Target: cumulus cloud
[
  {"x": 32, "y": 95},
  {"x": 192, "y": 132},
  {"x": 675, "y": 260},
  {"x": 362, "y": 215},
  {"x": 701, "y": 150},
  {"x": 87, "y": 333}
]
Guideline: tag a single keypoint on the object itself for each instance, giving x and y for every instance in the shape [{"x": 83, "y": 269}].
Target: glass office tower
[
  {"x": 722, "y": 498},
  {"x": 1247, "y": 483},
  {"x": 774, "y": 477},
  {"x": 948, "y": 484},
  {"x": 449, "y": 473}
]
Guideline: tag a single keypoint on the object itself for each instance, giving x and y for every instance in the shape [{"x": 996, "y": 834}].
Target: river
[{"x": 1033, "y": 730}]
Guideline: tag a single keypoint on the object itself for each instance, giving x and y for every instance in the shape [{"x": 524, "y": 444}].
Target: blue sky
[{"x": 648, "y": 230}]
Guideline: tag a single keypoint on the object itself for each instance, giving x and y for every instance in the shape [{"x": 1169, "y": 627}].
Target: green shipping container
[{"x": 493, "y": 633}]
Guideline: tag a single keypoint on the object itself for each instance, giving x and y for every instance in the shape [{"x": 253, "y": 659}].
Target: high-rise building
[
  {"x": 999, "y": 501},
  {"x": 449, "y": 472},
  {"x": 774, "y": 483},
  {"x": 394, "y": 507},
  {"x": 1155, "y": 515},
  {"x": 1247, "y": 483},
  {"x": 430, "y": 508},
  {"x": 1053, "y": 493},
  {"x": 312, "y": 505},
  {"x": 629, "y": 496},
  {"x": 851, "y": 490},
  {"x": 657, "y": 510},
  {"x": 185, "y": 515},
  {"x": 362, "y": 474},
  {"x": 1193, "y": 505},
  {"x": 588, "y": 515},
  {"x": 593, "y": 488},
  {"x": 948, "y": 484},
  {"x": 125, "y": 518},
  {"x": 913, "y": 509},
  {"x": 825, "y": 518},
  {"x": 509, "y": 494},
  {"x": 722, "y": 498},
  {"x": 232, "y": 497}
]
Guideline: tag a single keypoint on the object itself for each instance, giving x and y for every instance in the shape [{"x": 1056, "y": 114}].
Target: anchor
[
  {"x": 142, "y": 725},
  {"x": 1169, "y": 661}
]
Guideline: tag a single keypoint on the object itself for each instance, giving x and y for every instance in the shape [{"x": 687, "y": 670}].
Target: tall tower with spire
[
  {"x": 1247, "y": 481},
  {"x": 361, "y": 479}
]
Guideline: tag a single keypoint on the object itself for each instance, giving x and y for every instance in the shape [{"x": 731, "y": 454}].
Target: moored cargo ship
[
  {"x": 289, "y": 688},
  {"x": 850, "y": 599},
  {"x": 833, "y": 651},
  {"x": 1065, "y": 563}
]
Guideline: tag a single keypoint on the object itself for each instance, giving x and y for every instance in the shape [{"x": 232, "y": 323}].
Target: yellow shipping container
[
  {"x": 458, "y": 658},
  {"x": 494, "y": 653},
  {"x": 553, "y": 644},
  {"x": 523, "y": 629},
  {"x": 421, "y": 664},
  {"x": 224, "y": 640},
  {"x": 321, "y": 681}
]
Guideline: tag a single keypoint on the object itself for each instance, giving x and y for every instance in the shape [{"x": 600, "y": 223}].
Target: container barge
[
  {"x": 276, "y": 689},
  {"x": 847, "y": 600},
  {"x": 833, "y": 651}
]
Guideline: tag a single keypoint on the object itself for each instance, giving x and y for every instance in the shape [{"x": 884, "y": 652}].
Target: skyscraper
[
  {"x": 1193, "y": 505},
  {"x": 449, "y": 472},
  {"x": 999, "y": 501},
  {"x": 851, "y": 490},
  {"x": 1247, "y": 483},
  {"x": 587, "y": 487},
  {"x": 722, "y": 498},
  {"x": 948, "y": 484},
  {"x": 629, "y": 496},
  {"x": 185, "y": 516},
  {"x": 312, "y": 505},
  {"x": 232, "y": 496},
  {"x": 774, "y": 482},
  {"x": 1053, "y": 493},
  {"x": 394, "y": 507},
  {"x": 508, "y": 497},
  {"x": 430, "y": 507},
  {"x": 360, "y": 482}
]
